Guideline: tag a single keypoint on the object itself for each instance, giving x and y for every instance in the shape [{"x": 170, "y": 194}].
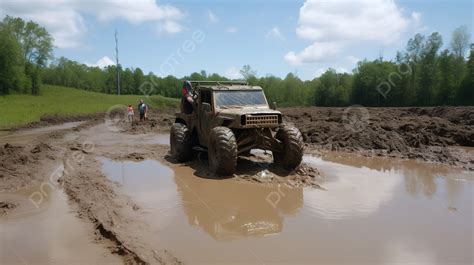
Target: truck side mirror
[
  {"x": 274, "y": 105},
  {"x": 206, "y": 107}
]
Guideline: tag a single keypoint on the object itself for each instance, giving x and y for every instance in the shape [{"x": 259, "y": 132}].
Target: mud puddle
[
  {"x": 22, "y": 136},
  {"x": 370, "y": 211},
  {"x": 160, "y": 138},
  {"x": 42, "y": 229}
]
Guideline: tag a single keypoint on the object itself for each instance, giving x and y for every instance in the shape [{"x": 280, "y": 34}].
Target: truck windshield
[{"x": 239, "y": 98}]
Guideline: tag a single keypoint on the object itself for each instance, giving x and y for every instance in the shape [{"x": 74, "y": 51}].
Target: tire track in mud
[
  {"x": 91, "y": 195},
  {"x": 114, "y": 215}
]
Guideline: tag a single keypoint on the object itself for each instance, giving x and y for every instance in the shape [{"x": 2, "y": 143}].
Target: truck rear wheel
[
  {"x": 222, "y": 151},
  {"x": 180, "y": 141},
  {"x": 292, "y": 153}
]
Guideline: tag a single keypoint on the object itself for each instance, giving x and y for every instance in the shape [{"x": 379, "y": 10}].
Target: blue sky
[{"x": 274, "y": 37}]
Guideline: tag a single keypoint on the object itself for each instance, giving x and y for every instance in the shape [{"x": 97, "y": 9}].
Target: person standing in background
[
  {"x": 130, "y": 113},
  {"x": 142, "y": 109}
]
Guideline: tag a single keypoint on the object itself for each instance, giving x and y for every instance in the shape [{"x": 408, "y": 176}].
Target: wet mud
[
  {"x": 115, "y": 192},
  {"x": 430, "y": 134}
]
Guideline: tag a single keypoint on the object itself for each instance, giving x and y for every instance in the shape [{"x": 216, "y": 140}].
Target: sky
[{"x": 273, "y": 37}]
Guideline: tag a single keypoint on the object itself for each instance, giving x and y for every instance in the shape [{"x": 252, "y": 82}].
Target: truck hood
[{"x": 247, "y": 110}]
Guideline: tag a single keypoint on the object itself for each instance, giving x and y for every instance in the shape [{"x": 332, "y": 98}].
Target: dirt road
[{"x": 128, "y": 201}]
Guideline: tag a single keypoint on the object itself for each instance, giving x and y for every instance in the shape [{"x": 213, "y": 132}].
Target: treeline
[
  {"x": 65, "y": 72},
  {"x": 422, "y": 74},
  {"x": 25, "y": 48}
]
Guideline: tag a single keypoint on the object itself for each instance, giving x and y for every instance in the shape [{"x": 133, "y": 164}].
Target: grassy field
[{"x": 22, "y": 109}]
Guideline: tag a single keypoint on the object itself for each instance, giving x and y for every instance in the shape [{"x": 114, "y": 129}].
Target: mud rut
[{"x": 95, "y": 198}]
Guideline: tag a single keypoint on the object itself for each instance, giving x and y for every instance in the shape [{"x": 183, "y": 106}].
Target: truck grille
[{"x": 261, "y": 120}]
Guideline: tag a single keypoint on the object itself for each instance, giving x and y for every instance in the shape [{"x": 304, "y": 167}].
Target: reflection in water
[
  {"x": 367, "y": 214},
  {"x": 419, "y": 177},
  {"x": 225, "y": 209},
  {"x": 229, "y": 210},
  {"x": 350, "y": 193}
]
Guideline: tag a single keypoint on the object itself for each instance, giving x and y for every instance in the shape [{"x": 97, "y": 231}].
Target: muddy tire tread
[
  {"x": 227, "y": 145},
  {"x": 293, "y": 150},
  {"x": 183, "y": 142}
]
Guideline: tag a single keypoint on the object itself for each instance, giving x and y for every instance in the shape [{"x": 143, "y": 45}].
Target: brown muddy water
[
  {"x": 371, "y": 211},
  {"x": 45, "y": 230}
]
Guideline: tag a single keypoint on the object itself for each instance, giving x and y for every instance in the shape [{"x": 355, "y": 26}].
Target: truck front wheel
[
  {"x": 292, "y": 147},
  {"x": 181, "y": 142},
  {"x": 222, "y": 151}
]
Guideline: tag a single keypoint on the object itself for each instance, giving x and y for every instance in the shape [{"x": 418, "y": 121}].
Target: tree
[
  {"x": 373, "y": 85},
  {"x": 429, "y": 72},
  {"x": 465, "y": 95},
  {"x": 36, "y": 46},
  {"x": 127, "y": 84},
  {"x": 138, "y": 79},
  {"x": 446, "y": 91},
  {"x": 460, "y": 41},
  {"x": 204, "y": 74},
  {"x": 9, "y": 61},
  {"x": 247, "y": 72},
  {"x": 36, "y": 43}
]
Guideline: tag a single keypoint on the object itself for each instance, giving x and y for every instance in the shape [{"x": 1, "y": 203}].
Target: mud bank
[
  {"x": 430, "y": 134},
  {"x": 27, "y": 155}
]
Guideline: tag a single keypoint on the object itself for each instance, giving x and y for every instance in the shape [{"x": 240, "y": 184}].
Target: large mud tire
[
  {"x": 222, "y": 151},
  {"x": 181, "y": 142},
  {"x": 292, "y": 154}
]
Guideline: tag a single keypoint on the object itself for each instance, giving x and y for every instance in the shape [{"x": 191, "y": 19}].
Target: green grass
[{"x": 20, "y": 109}]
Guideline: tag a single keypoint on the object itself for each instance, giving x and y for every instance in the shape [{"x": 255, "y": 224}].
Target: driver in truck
[{"x": 187, "y": 100}]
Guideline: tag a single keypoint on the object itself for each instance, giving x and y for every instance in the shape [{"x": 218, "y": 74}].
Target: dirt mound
[
  {"x": 422, "y": 133},
  {"x": 47, "y": 120},
  {"x": 18, "y": 164},
  {"x": 12, "y": 156},
  {"x": 5, "y": 207},
  {"x": 157, "y": 121},
  {"x": 303, "y": 176}
]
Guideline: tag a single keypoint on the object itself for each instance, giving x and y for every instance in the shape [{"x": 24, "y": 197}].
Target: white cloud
[
  {"x": 102, "y": 62},
  {"x": 211, "y": 17},
  {"x": 417, "y": 23},
  {"x": 316, "y": 52},
  {"x": 233, "y": 73},
  {"x": 377, "y": 20},
  {"x": 65, "y": 19},
  {"x": 170, "y": 27},
  {"x": 274, "y": 33},
  {"x": 341, "y": 21},
  {"x": 231, "y": 30},
  {"x": 137, "y": 11}
]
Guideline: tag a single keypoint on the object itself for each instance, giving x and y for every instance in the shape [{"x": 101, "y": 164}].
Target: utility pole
[{"x": 117, "y": 60}]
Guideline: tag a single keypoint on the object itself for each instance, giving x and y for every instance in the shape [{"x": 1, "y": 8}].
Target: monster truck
[{"x": 228, "y": 120}]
